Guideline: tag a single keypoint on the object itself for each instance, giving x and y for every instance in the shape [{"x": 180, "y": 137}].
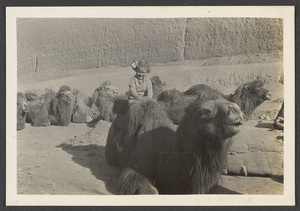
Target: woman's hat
[{"x": 141, "y": 65}]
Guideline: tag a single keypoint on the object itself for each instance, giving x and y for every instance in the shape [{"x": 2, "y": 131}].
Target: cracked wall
[{"x": 66, "y": 44}]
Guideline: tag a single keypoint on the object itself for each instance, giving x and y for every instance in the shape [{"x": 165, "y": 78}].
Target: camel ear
[
  {"x": 192, "y": 109},
  {"x": 95, "y": 96}
]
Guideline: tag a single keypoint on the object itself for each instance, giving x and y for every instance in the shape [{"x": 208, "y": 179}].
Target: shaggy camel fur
[{"x": 158, "y": 159}]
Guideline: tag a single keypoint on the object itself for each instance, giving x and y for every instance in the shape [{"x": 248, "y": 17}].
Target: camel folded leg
[{"x": 132, "y": 182}]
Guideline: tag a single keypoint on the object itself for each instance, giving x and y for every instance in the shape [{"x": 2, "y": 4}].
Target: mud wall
[{"x": 66, "y": 44}]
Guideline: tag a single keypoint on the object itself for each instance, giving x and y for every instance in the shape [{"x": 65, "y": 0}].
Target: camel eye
[
  {"x": 231, "y": 110},
  {"x": 256, "y": 91},
  {"x": 206, "y": 112}
]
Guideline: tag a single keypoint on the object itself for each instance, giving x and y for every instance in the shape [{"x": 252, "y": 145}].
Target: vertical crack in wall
[
  {"x": 183, "y": 39},
  {"x": 36, "y": 64},
  {"x": 98, "y": 60}
]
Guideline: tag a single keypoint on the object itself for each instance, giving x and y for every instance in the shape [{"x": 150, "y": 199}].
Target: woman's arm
[
  {"x": 149, "y": 88},
  {"x": 132, "y": 88}
]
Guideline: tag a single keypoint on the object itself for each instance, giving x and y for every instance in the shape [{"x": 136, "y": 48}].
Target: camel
[
  {"x": 157, "y": 159},
  {"x": 248, "y": 96}
]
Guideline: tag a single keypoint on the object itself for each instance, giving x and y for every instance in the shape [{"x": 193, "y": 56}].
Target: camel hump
[{"x": 120, "y": 104}]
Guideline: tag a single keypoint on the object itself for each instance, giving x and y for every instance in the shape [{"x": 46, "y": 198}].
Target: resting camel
[
  {"x": 38, "y": 106},
  {"x": 22, "y": 109},
  {"x": 159, "y": 160},
  {"x": 80, "y": 110},
  {"x": 61, "y": 107},
  {"x": 101, "y": 103},
  {"x": 248, "y": 96},
  {"x": 157, "y": 86}
]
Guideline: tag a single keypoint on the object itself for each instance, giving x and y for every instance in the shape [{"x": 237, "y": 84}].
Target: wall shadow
[
  {"x": 265, "y": 125},
  {"x": 218, "y": 189},
  {"x": 278, "y": 178}
]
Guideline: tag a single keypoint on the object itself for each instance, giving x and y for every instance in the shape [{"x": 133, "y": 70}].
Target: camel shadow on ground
[
  {"x": 92, "y": 124},
  {"x": 93, "y": 157},
  {"x": 265, "y": 125},
  {"x": 218, "y": 189},
  {"x": 278, "y": 178},
  {"x": 279, "y": 138}
]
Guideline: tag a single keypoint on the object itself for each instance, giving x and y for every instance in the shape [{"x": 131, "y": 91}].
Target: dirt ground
[{"x": 61, "y": 161}]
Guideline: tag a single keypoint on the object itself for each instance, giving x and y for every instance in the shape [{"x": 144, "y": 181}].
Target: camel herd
[
  {"x": 156, "y": 157},
  {"x": 44, "y": 108}
]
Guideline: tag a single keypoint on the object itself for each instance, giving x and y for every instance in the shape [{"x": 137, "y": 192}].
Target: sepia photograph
[{"x": 155, "y": 106}]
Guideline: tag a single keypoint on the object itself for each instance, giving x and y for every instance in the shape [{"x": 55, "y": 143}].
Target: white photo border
[{"x": 284, "y": 12}]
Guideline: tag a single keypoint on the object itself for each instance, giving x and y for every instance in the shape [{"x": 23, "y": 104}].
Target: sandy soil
[{"x": 59, "y": 160}]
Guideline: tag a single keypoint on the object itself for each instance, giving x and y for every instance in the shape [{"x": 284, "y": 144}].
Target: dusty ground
[{"x": 70, "y": 160}]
